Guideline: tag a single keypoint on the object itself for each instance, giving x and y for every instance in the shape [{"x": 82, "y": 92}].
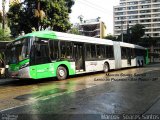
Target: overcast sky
[{"x": 91, "y": 9}]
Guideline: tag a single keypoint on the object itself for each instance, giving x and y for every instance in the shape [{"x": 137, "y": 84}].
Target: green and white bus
[{"x": 46, "y": 54}]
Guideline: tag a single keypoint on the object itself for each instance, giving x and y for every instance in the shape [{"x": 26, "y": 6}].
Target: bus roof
[
  {"x": 123, "y": 44},
  {"x": 67, "y": 37},
  {"x": 77, "y": 38}
]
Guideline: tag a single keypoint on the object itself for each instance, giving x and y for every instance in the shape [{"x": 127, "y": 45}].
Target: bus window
[
  {"x": 123, "y": 52},
  {"x": 132, "y": 53},
  {"x": 17, "y": 51},
  {"x": 93, "y": 51},
  {"x": 66, "y": 50},
  {"x": 40, "y": 52},
  {"x": 109, "y": 52},
  {"x": 54, "y": 50},
  {"x": 88, "y": 51},
  {"x": 139, "y": 52},
  {"x": 69, "y": 54},
  {"x": 100, "y": 51}
]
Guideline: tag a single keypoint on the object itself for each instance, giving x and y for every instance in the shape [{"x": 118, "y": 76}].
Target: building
[
  {"x": 93, "y": 28},
  {"x": 131, "y": 12}
]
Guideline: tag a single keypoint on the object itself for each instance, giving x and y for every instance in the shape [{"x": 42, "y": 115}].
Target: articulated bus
[{"x": 46, "y": 54}]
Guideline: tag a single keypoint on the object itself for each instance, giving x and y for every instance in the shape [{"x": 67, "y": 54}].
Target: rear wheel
[
  {"x": 105, "y": 67},
  {"x": 61, "y": 73}
]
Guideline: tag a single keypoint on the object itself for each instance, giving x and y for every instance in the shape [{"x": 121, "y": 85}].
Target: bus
[{"x": 47, "y": 54}]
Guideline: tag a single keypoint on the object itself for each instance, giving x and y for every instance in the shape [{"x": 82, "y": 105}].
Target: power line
[
  {"x": 97, "y": 5},
  {"x": 93, "y": 7}
]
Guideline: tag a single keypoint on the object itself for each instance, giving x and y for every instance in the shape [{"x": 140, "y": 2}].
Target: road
[{"x": 91, "y": 96}]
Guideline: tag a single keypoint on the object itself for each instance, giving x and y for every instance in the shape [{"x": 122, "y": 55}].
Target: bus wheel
[
  {"x": 61, "y": 73},
  {"x": 105, "y": 67}
]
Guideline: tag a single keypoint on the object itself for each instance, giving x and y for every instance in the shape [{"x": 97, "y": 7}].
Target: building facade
[
  {"x": 93, "y": 28},
  {"x": 131, "y": 12}
]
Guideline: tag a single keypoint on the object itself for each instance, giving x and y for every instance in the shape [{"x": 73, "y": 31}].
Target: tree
[
  {"x": 110, "y": 37},
  {"x": 133, "y": 34},
  {"x": 74, "y": 30},
  {"x": 14, "y": 19},
  {"x": 4, "y": 35},
  {"x": 40, "y": 14},
  {"x": 137, "y": 32},
  {"x": 125, "y": 38}
]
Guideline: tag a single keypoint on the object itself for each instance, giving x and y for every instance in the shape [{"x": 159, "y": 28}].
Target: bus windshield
[{"x": 18, "y": 50}]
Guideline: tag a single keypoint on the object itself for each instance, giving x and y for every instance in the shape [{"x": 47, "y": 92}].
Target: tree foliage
[
  {"x": 110, "y": 37},
  {"x": 23, "y": 16},
  {"x": 133, "y": 34},
  {"x": 137, "y": 32},
  {"x": 4, "y": 35},
  {"x": 74, "y": 30}
]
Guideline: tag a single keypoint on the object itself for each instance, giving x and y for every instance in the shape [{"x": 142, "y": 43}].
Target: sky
[
  {"x": 91, "y": 9},
  {"x": 7, "y": 2}
]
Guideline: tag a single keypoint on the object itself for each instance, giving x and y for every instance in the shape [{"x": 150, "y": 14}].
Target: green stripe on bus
[{"x": 40, "y": 34}]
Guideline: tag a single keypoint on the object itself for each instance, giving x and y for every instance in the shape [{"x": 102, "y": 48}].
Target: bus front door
[
  {"x": 40, "y": 60},
  {"x": 79, "y": 56}
]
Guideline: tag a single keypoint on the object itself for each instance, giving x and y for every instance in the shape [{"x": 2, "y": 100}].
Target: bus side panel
[
  {"x": 124, "y": 63},
  {"x": 133, "y": 62},
  {"x": 50, "y": 69},
  {"x": 92, "y": 66},
  {"x": 70, "y": 66},
  {"x": 41, "y": 71}
]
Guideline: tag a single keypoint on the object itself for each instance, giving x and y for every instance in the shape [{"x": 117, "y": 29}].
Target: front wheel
[
  {"x": 61, "y": 73},
  {"x": 106, "y": 67}
]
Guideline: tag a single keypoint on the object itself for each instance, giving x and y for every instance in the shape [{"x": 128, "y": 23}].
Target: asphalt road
[{"x": 131, "y": 93}]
